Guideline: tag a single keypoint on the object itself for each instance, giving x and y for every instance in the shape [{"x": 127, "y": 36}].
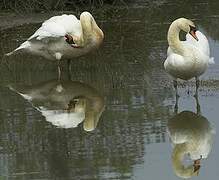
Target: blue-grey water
[{"x": 130, "y": 139}]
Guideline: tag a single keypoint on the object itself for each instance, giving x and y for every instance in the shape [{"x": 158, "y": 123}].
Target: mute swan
[
  {"x": 190, "y": 58},
  {"x": 191, "y": 134},
  {"x": 65, "y": 104},
  {"x": 64, "y": 37}
]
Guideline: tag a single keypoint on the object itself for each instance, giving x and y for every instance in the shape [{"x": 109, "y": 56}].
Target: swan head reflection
[
  {"x": 65, "y": 104},
  {"x": 77, "y": 104},
  {"x": 192, "y": 136}
]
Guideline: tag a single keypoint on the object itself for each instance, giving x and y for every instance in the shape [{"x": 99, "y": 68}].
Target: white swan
[
  {"x": 190, "y": 134},
  {"x": 190, "y": 58},
  {"x": 65, "y": 104},
  {"x": 64, "y": 37}
]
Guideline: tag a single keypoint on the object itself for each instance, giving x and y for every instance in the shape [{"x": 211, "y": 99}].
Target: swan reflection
[
  {"x": 192, "y": 135},
  {"x": 65, "y": 104}
]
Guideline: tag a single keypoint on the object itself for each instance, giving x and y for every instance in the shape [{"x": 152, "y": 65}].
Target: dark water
[{"x": 130, "y": 140}]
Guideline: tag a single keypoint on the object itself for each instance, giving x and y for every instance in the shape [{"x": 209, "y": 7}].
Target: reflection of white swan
[
  {"x": 64, "y": 37},
  {"x": 191, "y": 134},
  {"x": 190, "y": 58},
  {"x": 65, "y": 104}
]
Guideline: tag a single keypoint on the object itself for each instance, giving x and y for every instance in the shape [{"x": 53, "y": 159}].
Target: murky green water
[{"x": 125, "y": 78}]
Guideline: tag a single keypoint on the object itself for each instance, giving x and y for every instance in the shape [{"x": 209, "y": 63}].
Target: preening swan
[
  {"x": 191, "y": 134},
  {"x": 186, "y": 59},
  {"x": 65, "y": 103},
  {"x": 64, "y": 37}
]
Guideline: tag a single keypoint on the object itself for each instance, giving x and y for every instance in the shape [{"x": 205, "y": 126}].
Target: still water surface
[{"x": 130, "y": 124}]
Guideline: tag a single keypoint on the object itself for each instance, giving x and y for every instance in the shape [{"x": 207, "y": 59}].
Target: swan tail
[
  {"x": 24, "y": 45},
  {"x": 211, "y": 60},
  {"x": 9, "y": 54}
]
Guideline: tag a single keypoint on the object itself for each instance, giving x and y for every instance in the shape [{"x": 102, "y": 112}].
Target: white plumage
[
  {"x": 49, "y": 40},
  {"x": 190, "y": 58},
  {"x": 63, "y": 37},
  {"x": 195, "y": 130},
  {"x": 58, "y": 26},
  {"x": 190, "y": 134},
  {"x": 65, "y": 104}
]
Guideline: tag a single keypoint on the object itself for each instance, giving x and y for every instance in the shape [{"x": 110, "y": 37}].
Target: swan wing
[
  {"x": 202, "y": 44},
  {"x": 62, "y": 119},
  {"x": 204, "y": 145},
  {"x": 173, "y": 61},
  {"x": 58, "y": 26}
]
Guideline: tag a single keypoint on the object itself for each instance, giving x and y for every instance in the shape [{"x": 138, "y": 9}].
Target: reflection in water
[
  {"x": 192, "y": 135},
  {"x": 198, "y": 108},
  {"x": 65, "y": 104},
  {"x": 129, "y": 70}
]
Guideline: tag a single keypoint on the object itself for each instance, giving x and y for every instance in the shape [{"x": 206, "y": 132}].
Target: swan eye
[
  {"x": 76, "y": 101},
  {"x": 71, "y": 105}
]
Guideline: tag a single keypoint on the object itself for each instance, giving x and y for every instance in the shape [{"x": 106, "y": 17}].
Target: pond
[{"x": 131, "y": 100}]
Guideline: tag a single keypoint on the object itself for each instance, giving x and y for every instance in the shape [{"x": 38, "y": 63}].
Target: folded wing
[
  {"x": 51, "y": 31},
  {"x": 58, "y": 26},
  {"x": 202, "y": 44}
]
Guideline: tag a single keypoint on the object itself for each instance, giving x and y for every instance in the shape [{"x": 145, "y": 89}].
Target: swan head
[
  {"x": 82, "y": 104},
  {"x": 181, "y": 170},
  {"x": 187, "y": 26},
  {"x": 188, "y": 172},
  {"x": 90, "y": 29},
  {"x": 77, "y": 105}
]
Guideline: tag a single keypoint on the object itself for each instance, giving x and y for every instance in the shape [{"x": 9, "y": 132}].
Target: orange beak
[
  {"x": 192, "y": 32},
  {"x": 197, "y": 165}
]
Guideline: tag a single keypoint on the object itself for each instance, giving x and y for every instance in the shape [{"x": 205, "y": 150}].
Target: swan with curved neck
[
  {"x": 191, "y": 134},
  {"x": 65, "y": 104},
  {"x": 63, "y": 37},
  {"x": 186, "y": 59},
  {"x": 173, "y": 34}
]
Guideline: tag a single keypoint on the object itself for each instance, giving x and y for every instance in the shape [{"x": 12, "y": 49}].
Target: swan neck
[
  {"x": 92, "y": 34},
  {"x": 173, "y": 38},
  {"x": 90, "y": 121},
  {"x": 91, "y": 117},
  {"x": 86, "y": 32},
  {"x": 95, "y": 107},
  {"x": 177, "y": 160}
]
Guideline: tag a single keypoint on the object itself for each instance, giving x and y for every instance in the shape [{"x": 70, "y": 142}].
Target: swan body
[
  {"x": 64, "y": 37},
  {"x": 65, "y": 104},
  {"x": 63, "y": 119},
  {"x": 190, "y": 58},
  {"x": 190, "y": 134}
]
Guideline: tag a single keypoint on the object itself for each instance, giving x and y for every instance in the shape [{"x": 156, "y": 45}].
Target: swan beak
[
  {"x": 197, "y": 165},
  {"x": 192, "y": 32},
  {"x": 69, "y": 39},
  {"x": 193, "y": 35}
]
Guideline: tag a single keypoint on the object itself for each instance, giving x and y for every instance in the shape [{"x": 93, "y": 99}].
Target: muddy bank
[{"x": 8, "y": 20}]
